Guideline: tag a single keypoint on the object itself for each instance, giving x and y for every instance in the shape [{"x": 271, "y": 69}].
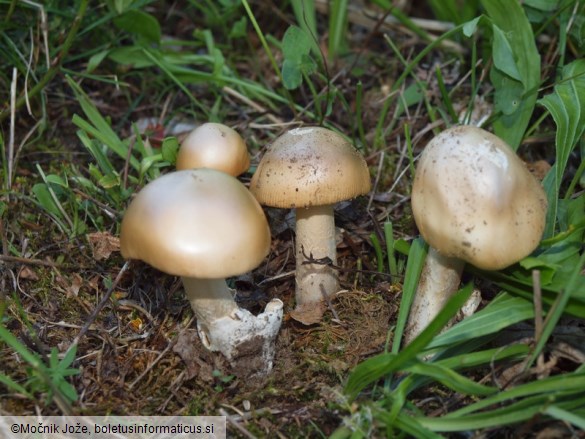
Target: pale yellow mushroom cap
[
  {"x": 475, "y": 200},
  {"x": 196, "y": 223},
  {"x": 310, "y": 166},
  {"x": 214, "y": 146}
]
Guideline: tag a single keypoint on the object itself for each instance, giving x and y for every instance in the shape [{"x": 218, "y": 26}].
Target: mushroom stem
[
  {"x": 438, "y": 282},
  {"x": 210, "y": 299},
  {"x": 315, "y": 235}
]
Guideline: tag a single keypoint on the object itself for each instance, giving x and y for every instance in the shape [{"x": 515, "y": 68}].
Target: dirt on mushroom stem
[{"x": 315, "y": 283}]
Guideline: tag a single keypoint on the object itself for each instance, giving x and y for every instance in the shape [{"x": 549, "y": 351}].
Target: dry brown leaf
[
  {"x": 309, "y": 314},
  {"x": 186, "y": 347},
  {"x": 75, "y": 286},
  {"x": 26, "y": 273},
  {"x": 103, "y": 244}
]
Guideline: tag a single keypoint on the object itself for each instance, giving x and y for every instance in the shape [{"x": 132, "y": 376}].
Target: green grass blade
[
  {"x": 158, "y": 61},
  {"x": 512, "y": 414},
  {"x": 378, "y": 250},
  {"x": 12, "y": 385},
  {"x": 405, "y": 423},
  {"x": 337, "y": 27},
  {"x": 416, "y": 259},
  {"x": 469, "y": 360},
  {"x": 516, "y": 412},
  {"x": 389, "y": 237},
  {"x": 566, "y": 416},
  {"x": 475, "y": 359},
  {"x": 503, "y": 311},
  {"x": 98, "y": 126},
  {"x": 451, "y": 379},
  {"x": 28, "y": 356},
  {"x": 568, "y": 383}
]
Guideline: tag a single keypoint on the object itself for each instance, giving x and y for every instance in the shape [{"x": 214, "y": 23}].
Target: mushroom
[
  {"x": 214, "y": 146},
  {"x": 310, "y": 169},
  {"x": 474, "y": 201},
  {"x": 204, "y": 225}
]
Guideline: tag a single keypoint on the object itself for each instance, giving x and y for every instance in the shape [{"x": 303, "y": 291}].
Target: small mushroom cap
[
  {"x": 214, "y": 146},
  {"x": 309, "y": 166},
  {"x": 474, "y": 199},
  {"x": 198, "y": 223}
]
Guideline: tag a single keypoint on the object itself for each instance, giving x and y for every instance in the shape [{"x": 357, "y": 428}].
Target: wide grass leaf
[
  {"x": 517, "y": 405},
  {"x": 516, "y": 71},
  {"x": 566, "y": 105},
  {"x": 296, "y": 46},
  {"x": 503, "y": 311},
  {"x": 142, "y": 24}
]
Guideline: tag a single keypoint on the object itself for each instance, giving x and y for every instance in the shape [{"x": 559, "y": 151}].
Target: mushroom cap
[
  {"x": 309, "y": 166},
  {"x": 198, "y": 223},
  {"x": 214, "y": 146},
  {"x": 475, "y": 200}
]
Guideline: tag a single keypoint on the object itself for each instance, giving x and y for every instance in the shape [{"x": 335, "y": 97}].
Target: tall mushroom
[
  {"x": 310, "y": 169},
  {"x": 204, "y": 226},
  {"x": 215, "y": 146},
  {"x": 474, "y": 201}
]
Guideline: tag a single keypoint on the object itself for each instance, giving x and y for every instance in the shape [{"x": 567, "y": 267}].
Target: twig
[
  {"x": 230, "y": 419},
  {"x": 23, "y": 141},
  {"x": 250, "y": 103},
  {"x": 327, "y": 261},
  {"x": 27, "y": 261},
  {"x": 277, "y": 277},
  {"x": 114, "y": 214},
  {"x": 99, "y": 307}
]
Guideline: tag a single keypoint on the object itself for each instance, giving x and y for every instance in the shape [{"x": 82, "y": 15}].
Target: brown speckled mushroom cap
[
  {"x": 309, "y": 166},
  {"x": 474, "y": 199},
  {"x": 214, "y": 146},
  {"x": 196, "y": 223}
]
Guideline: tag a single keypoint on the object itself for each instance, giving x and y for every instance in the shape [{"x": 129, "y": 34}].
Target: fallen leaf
[
  {"x": 186, "y": 347},
  {"x": 27, "y": 273},
  {"x": 103, "y": 244},
  {"x": 74, "y": 287},
  {"x": 309, "y": 314},
  {"x": 136, "y": 324}
]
